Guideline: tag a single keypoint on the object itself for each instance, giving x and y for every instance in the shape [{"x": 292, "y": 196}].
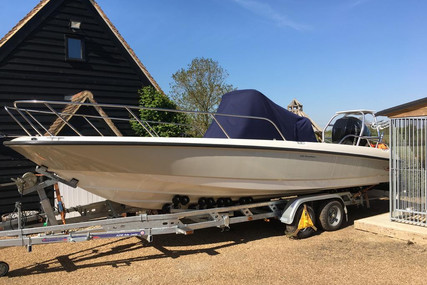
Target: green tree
[
  {"x": 199, "y": 88},
  {"x": 164, "y": 123}
]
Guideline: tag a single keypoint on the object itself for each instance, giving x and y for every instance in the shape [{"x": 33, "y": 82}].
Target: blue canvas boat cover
[{"x": 253, "y": 103}]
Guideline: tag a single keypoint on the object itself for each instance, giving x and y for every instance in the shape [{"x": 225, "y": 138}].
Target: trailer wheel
[
  {"x": 166, "y": 208},
  {"x": 202, "y": 202},
  {"x": 331, "y": 215},
  {"x": 4, "y": 268},
  {"x": 228, "y": 202},
  {"x": 176, "y": 199},
  {"x": 292, "y": 228},
  {"x": 220, "y": 202},
  {"x": 184, "y": 200},
  {"x": 243, "y": 201}
]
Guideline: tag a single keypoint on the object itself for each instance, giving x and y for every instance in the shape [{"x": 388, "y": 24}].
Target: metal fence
[{"x": 408, "y": 191}]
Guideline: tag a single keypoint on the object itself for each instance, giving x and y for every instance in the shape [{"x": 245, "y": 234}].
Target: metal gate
[{"x": 408, "y": 191}]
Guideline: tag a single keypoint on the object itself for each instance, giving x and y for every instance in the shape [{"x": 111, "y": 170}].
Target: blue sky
[{"x": 330, "y": 55}]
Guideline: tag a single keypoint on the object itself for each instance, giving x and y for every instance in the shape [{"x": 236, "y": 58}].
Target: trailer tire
[
  {"x": 202, "y": 202},
  {"x": 210, "y": 202},
  {"x": 220, "y": 202},
  {"x": 166, "y": 208},
  {"x": 176, "y": 200},
  {"x": 304, "y": 233},
  {"x": 331, "y": 215},
  {"x": 4, "y": 268},
  {"x": 184, "y": 200}
]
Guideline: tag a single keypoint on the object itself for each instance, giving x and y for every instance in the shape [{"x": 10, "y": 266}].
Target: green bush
[{"x": 164, "y": 123}]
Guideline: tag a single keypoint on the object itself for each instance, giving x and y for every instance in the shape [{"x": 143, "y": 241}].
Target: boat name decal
[
  {"x": 307, "y": 156},
  {"x": 127, "y": 234},
  {"x": 96, "y": 236},
  {"x": 55, "y": 239}
]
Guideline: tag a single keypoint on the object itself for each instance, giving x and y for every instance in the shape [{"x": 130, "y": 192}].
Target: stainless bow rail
[{"x": 27, "y": 111}]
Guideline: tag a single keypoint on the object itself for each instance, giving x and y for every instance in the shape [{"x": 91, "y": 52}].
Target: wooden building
[
  {"x": 58, "y": 49},
  {"x": 408, "y": 145}
]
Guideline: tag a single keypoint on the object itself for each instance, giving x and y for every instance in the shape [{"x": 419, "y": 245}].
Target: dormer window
[{"x": 74, "y": 48}]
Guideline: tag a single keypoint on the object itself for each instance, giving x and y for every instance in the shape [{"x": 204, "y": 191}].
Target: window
[{"x": 75, "y": 48}]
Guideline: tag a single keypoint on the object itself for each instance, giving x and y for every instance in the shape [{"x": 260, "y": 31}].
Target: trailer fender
[{"x": 293, "y": 205}]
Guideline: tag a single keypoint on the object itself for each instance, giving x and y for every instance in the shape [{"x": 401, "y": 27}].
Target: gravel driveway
[{"x": 250, "y": 253}]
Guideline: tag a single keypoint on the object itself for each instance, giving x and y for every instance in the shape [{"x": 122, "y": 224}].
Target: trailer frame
[{"x": 180, "y": 221}]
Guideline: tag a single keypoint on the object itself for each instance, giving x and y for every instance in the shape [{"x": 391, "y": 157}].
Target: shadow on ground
[
  {"x": 210, "y": 239},
  {"x": 377, "y": 207}
]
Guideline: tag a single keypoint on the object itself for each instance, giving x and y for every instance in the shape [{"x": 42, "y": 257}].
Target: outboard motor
[{"x": 349, "y": 126}]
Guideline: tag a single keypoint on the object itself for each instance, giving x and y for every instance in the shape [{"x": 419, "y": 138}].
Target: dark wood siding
[
  {"x": 33, "y": 65},
  {"x": 36, "y": 68}
]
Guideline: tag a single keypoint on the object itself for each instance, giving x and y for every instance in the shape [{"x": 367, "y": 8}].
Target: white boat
[{"x": 147, "y": 172}]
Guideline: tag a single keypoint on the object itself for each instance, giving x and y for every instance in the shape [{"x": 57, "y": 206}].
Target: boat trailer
[{"x": 296, "y": 212}]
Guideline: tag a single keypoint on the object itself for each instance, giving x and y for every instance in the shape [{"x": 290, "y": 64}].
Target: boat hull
[{"x": 148, "y": 172}]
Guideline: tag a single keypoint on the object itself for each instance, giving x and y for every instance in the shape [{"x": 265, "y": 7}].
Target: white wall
[{"x": 73, "y": 197}]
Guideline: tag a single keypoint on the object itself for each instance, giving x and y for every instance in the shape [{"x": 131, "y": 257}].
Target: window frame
[{"x": 82, "y": 48}]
